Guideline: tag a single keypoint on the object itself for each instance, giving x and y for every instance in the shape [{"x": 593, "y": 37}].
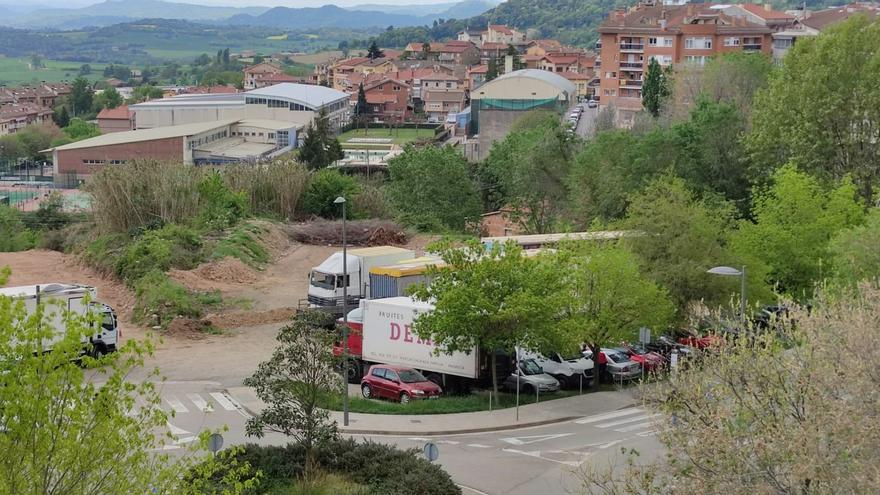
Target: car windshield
[
  {"x": 638, "y": 348},
  {"x": 616, "y": 357},
  {"x": 530, "y": 367},
  {"x": 411, "y": 376},
  {"x": 323, "y": 280},
  {"x": 573, "y": 357}
]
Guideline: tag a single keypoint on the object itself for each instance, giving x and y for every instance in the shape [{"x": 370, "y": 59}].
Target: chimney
[{"x": 508, "y": 64}]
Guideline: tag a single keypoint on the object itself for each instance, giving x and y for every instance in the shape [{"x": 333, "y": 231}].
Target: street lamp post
[
  {"x": 341, "y": 201},
  {"x": 727, "y": 271}
]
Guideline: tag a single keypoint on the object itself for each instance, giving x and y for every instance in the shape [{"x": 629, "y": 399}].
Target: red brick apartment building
[
  {"x": 388, "y": 99},
  {"x": 672, "y": 34}
]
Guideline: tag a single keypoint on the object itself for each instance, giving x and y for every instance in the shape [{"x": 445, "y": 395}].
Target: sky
[{"x": 241, "y": 3}]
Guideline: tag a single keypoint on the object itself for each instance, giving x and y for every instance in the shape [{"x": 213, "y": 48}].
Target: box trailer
[
  {"x": 327, "y": 280},
  {"x": 57, "y": 298},
  {"x": 394, "y": 280}
]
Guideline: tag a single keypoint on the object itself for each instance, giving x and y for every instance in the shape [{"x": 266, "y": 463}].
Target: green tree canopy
[
  {"x": 320, "y": 147},
  {"x": 820, "y": 110},
  {"x": 79, "y": 129},
  {"x": 324, "y": 187},
  {"x": 855, "y": 251},
  {"x": 108, "y": 98},
  {"x": 374, "y": 51},
  {"x": 656, "y": 88},
  {"x": 794, "y": 220},
  {"x": 432, "y": 189},
  {"x": 81, "y": 96},
  {"x": 494, "y": 299}
]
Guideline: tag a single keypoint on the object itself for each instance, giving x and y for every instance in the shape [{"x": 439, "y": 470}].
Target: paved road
[
  {"x": 587, "y": 122},
  {"x": 543, "y": 459}
]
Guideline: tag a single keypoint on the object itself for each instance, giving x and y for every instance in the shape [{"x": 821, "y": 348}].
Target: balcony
[
  {"x": 632, "y": 47},
  {"x": 751, "y": 47},
  {"x": 631, "y": 66},
  {"x": 631, "y": 83}
]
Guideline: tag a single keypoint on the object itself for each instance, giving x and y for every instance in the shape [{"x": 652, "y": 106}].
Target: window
[
  {"x": 611, "y": 75},
  {"x": 449, "y": 85},
  {"x": 390, "y": 375},
  {"x": 395, "y": 87},
  {"x": 667, "y": 42},
  {"x": 782, "y": 43},
  {"x": 696, "y": 60},
  {"x": 731, "y": 41},
  {"x": 660, "y": 41},
  {"x": 378, "y": 372},
  {"x": 698, "y": 43}
]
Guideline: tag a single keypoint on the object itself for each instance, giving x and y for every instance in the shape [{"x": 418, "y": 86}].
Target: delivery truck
[
  {"x": 56, "y": 298},
  {"x": 327, "y": 280}
]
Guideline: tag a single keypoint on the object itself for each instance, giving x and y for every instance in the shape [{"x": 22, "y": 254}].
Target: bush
[
  {"x": 14, "y": 236},
  {"x": 383, "y": 469},
  {"x": 220, "y": 207},
  {"x": 243, "y": 243},
  {"x": 324, "y": 187},
  {"x": 159, "y": 295},
  {"x": 370, "y": 201},
  {"x": 49, "y": 215},
  {"x": 172, "y": 246}
]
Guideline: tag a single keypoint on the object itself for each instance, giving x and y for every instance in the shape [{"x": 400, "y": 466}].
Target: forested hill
[{"x": 570, "y": 21}]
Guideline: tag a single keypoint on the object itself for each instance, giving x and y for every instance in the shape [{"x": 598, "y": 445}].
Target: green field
[
  {"x": 16, "y": 71},
  {"x": 399, "y": 136}
]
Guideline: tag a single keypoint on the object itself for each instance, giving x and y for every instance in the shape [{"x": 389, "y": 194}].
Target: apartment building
[
  {"x": 671, "y": 34},
  {"x": 387, "y": 99},
  {"x": 17, "y": 116}
]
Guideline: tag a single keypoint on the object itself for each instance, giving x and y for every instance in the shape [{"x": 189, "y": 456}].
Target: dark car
[{"x": 397, "y": 383}]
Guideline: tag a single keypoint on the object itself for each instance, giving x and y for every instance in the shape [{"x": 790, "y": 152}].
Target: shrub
[
  {"x": 159, "y": 295},
  {"x": 243, "y": 243},
  {"x": 324, "y": 187},
  {"x": 49, "y": 215},
  {"x": 14, "y": 236},
  {"x": 384, "y": 469},
  {"x": 103, "y": 252},
  {"x": 172, "y": 246},
  {"x": 370, "y": 201},
  {"x": 220, "y": 207}
]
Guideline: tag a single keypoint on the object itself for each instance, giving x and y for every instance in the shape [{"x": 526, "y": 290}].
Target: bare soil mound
[
  {"x": 237, "y": 319},
  {"x": 358, "y": 233}
]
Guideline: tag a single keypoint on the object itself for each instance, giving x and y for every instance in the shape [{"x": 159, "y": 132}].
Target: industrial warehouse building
[
  {"x": 497, "y": 104},
  {"x": 206, "y": 129}
]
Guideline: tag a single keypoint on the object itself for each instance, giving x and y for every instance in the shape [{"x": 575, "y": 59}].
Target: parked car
[
  {"x": 703, "y": 342},
  {"x": 570, "y": 372},
  {"x": 619, "y": 366},
  {"x": 397, "y": 383},
  {"x": 531, "y": 378},
  {"x": 650, "y": 360},
  {"x": 664, "y": 345},
  {"x": 592, "y": 104}
]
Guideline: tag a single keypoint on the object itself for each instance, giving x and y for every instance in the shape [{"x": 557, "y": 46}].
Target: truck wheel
[
  {"x": 528, "y": 389},
  {"x": 98, "y": 351},
  {"x": 404, "y": 398},
  {"x": 366, "y": 391},
  {"x": 564, "y": 381},
  {"x": 436, "y": 379},
  {"x": 355, "y": 371}
]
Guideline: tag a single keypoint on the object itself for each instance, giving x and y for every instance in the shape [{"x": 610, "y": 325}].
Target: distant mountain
[
  {"x": 333, "y": 16},
  {"x": 455, "y": 10},
  {"x": 116, "y": 11}
]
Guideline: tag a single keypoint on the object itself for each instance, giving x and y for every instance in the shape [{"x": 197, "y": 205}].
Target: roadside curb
[{"x": 516, "y": 426}]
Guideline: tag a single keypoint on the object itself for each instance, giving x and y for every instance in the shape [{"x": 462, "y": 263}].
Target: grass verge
[{"x": 477, "y": 401}]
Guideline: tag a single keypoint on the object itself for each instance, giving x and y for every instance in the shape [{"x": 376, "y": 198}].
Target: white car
[
  {"x": 570, "y": 372},
  {"x": 620, "y": 366},
  {"x": 592, "y": 104},
  {"x": 531, "y": 378}
]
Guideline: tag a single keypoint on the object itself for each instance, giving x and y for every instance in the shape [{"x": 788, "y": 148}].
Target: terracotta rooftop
[
  {"x": 501, "y": 28},
  {"x": 491, "y": 46},
  {"x": 480, "y": 69},
  {"x": 824, "y": 18},
  {"x": 764, "y": 13},
  {"x": 119, "y": 113}
]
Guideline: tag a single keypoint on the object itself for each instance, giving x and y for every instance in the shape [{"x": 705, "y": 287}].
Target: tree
[
  {"x": 492, "y": 70},
  {"x": 62, "y": 117},
  {"x": 10, "y": 149},
  {"x": 320, "y": 147},
  {"x": 325, "y": 186},
  {"x": 295, "y": 381},
  {"x": 680, "y": 237},
  {"x": 795, "y": 218},
  {"x": 374, "y": 52},
  {"x": 493, "y": 299},
  {"x": 80, "y": 96},
  {"x": 812, "y": 117},
  {"x": 35, "y": 138},
  {"x": 37, "y": 62},
  {"x": 199, "y": 61},
  {"x": 608, "y": 298},
  {"x": 855, "y": 251},
  {"x": 344, "y": 47},
  {"x": 85, "y": 69},
  {"x": 426, "y": 50},
  {"x": 80, "y": 129},
  {"x": 655, "y": 90},
  {"x": 226, "y": 57},
  {"x": 798, "y": 423},
  {"x": 517, "y": 62},
  {"x": 432, "y": 190},
  {"x": 74, "y": 424},
  {"x": 146, "y": 92},
  {"x": 109, "y": 98},
  {"x": 532, "y": 166},
  {"x": 360, "y": 108}
]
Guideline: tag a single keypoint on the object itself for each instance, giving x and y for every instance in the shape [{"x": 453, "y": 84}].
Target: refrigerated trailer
[
  {"x": 82, "y": 300},
  {"x": 394, "y": 280}
]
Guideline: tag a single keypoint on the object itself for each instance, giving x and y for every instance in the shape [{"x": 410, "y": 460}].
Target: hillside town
[{"x": 490, "y": 248}]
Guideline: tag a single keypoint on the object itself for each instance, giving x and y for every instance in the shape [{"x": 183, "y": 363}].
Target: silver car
[
  {"x": 620, "y": 366},
  {"x": 531, "y": 378}
]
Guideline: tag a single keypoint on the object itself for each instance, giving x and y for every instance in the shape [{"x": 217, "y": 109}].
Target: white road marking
[
  {"x": 610, "y": 444},
  {"x": 201, "y": 404},
  {"x": 647, "y": 433},
  {"x": 533, "y": 438},
  {"x": 418, "y": 439},
  {"x": 606, "y": 416},
  {"x": 223, "y": 401},
  {"x": 448, "y": 442},
  {"x": 633, "y": 419},
  {"x": 537, "y": 453},
  {"x": 238, "y": 407},
  {"x": 176, "y": 404},
  {"x": 479, "y": 446},
  {"x": 478, "y": 492},
  {"x": 639, "y": 426},
  {"x": 175, "y": 430}
]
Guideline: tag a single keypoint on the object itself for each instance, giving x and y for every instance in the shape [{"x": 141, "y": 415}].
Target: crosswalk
[
  {"x": 628, "y": 420},
  {"x": 184, "y": 403}
]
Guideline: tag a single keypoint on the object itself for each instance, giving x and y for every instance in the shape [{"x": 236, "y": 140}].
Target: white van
[{"x": 572, "y": 372}]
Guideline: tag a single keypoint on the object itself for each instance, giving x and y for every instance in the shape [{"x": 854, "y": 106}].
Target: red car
[
  {"x": 650, "y": 361},
  {"x": 397, "y": 383},
  {"x": 702, "y": 342}
]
